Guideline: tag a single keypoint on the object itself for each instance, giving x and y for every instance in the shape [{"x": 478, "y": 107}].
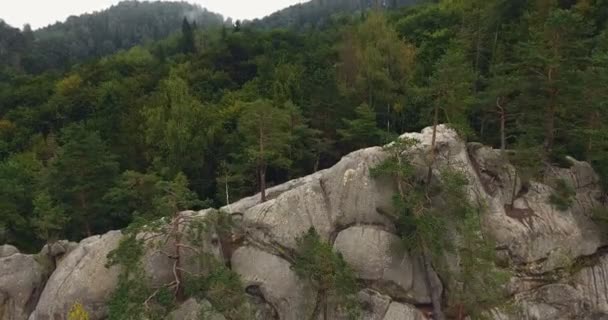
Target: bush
[
  {"x": 328, "y": 272},
  {"x": 78, "y": 312},
  {"x": 563, "y": 195}
]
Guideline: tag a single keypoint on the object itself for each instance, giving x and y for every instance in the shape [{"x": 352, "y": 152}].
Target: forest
[{"x": 91, "y": 141}]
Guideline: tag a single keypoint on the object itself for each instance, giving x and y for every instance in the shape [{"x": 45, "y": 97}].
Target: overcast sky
[{"x": 40, "y": 13}]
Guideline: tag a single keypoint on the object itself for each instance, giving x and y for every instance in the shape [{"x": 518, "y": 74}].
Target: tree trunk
[
  {"x": 179, "y": 292},
  {"x": 83, "y": 206},
  {"x": 429, "y": 175},
  {"x": 550, "y": 116},
  {"x": 503, "y": 120},
  {"x": 433, "y": 283},
  {"x": 263, "y": 182},
  {"x": 262, "y": 166},
  {"x": 388, "y": 119}
]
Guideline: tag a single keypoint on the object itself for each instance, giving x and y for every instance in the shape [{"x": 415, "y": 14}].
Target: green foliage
[
  {"x": 18, "y": 184},
  {"x": 89, "y": 36},
  {"x": 194, "y": 102},
  {"x": 173, "y": 124},
  {"x": 478, "y": 284},
  {"x": 50, "y": 220},
  {"x": 452, "y": 87},
  {"x": 328, "y": 272},
  {"x": 79, "y": 175},
  {"x": 563, "y": 195},
  {"x": 438, "y": 221},
  {"x": 361, "y": 131},
  {"x": 224, "y": 289}
]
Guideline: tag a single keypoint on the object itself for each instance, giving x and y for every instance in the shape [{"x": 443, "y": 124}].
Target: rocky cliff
[{"x": 557, "y": 258}]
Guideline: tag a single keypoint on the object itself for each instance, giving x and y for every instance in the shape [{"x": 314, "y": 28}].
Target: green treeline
[{"x": 227, "y": 111}]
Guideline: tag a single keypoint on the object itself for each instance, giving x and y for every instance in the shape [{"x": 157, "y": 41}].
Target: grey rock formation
[
  {"x": 22, "y": 279},
  {"x": 592, "y": 283},
  {"x": 81, "y": 277},
  {"x": 399, "y": 311},
  {"x": 7, "y": 250},
  {"x": 373, "y": 304},
  {"x": 377, "y": 258},
  {"x": 57, "y": 250},
  {"x": 272, "y": 276},
  {"x": 194, "y": 310},
  {"x": 557, "y": 258}
]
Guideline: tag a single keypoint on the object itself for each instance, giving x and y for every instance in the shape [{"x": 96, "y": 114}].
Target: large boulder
[
  {"x": 375, "y": 256},
  {"x": 592, "y": 283},
  {"x": 400, "y": 311},
  {"x": 7, "y": 250},
  {"x": 81, "y": 277},
  {"x": 537, "y": 235},
  {"x": 330, "y": 200},
  {"x": 195, "y": 310},
  {"x": 22, "y": 278},
  {"x": 86, "y": 265},
  {"x": 272, "y": 276}
]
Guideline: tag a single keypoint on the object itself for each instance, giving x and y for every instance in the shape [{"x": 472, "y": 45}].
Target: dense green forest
[
  {"x": 316, "y": 13},
  {"x": 89, "y": 36},
  {"x": 228, "y": 110}
]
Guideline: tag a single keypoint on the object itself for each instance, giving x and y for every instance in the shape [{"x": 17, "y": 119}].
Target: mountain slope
[
  {"x": 317, "y": 12},
  {"x": 101, "y": 33}
]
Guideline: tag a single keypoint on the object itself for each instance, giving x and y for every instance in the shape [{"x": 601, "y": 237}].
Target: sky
[{"x": 39, "y": 13}]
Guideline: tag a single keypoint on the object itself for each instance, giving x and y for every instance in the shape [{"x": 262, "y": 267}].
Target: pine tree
[
  {"x": 265, "y": 129},
  {"x": 361, "y": 131},
  {"x": 550, "y": 59},
  {"x": 188, "y": 43},
  {"x": 49, "y": 218},
  {"x": 80, "y": 174},
  {"x": 175, "y": 124}
]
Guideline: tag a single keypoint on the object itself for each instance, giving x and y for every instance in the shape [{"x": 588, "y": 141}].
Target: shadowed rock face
[
  {"x": 22, "y": 279},
  {"x": 558, "y": 259}
]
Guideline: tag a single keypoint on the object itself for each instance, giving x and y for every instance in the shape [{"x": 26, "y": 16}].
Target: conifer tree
[
  {"x": 362, "y": 131},
  {"x": 80, "y": 174},
  {"x": 265, "y": 129}
]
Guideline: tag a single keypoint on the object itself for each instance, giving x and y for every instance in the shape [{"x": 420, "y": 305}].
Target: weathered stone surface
[
  {"x": 245, "y": 204},
  {"x": 81, "y": 277},
  {"x": 353, "y": 196},
  {"x": 22, "y": 279},
  {"x": 534, "y": 232},
  {"x": 194, "y": 310},
  {"x": 290, "y": 296},
  {"x": 329, "y": 200},
  {"x": 7, "y": 250},
  {"x": 86, "y": 265},
  {"x": 58, "y": 250},
  {"x": 283, "y": 219},
  {"x": 400, "y": 311},
  {"x": 592, "y": 282},
  {"x": 373, "y": 304},
  {"x": 375, "y": 256},
  {"x": 351, "y": 210},
  {"x": 159, "y": 268}
]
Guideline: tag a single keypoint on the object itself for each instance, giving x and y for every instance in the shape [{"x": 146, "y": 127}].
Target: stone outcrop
[
  {"x": 558, "y": 259},
  {"x": 7, "y": 250},
  {"x": 81, "y": 277},
  {"x": 22, "y": 278},
  {"x": 194, "y": 310},
  {"x": 272, "y": 276},
  {"x": 375, "y": 256}
]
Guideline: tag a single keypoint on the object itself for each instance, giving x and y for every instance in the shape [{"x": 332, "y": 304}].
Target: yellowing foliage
[
  {"x": 69, "y": 85},
  {"x": 78, "y": 312}
]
